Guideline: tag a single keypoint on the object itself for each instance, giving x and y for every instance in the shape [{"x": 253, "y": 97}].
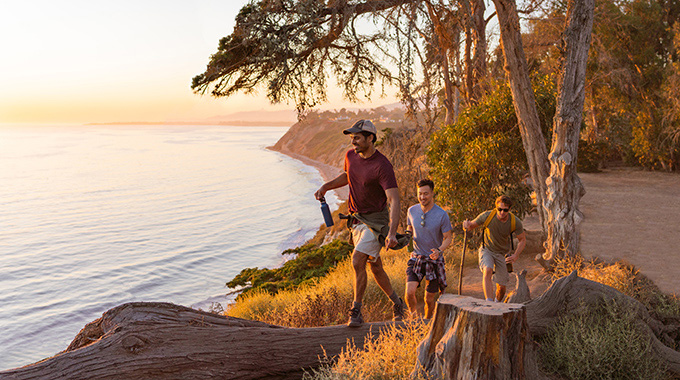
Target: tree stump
[
  {"x": 475, "y": 339},
  {"x": 522, "y": 293},
  {"x": 145, "y": 340}
]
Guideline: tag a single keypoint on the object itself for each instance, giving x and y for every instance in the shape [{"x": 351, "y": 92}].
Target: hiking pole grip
[{"x": 462, "y": 261}]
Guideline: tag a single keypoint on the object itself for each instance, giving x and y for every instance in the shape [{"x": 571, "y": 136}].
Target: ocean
[{"x": 92, "y": 217}]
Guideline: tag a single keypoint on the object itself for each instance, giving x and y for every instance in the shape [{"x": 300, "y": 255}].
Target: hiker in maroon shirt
[{"x": 372, "y": 186}]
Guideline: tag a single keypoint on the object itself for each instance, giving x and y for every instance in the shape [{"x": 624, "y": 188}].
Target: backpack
[{"x": 485, "y": 225}]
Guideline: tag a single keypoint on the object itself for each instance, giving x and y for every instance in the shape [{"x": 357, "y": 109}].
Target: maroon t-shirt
[{"x": 368, "y": 180}]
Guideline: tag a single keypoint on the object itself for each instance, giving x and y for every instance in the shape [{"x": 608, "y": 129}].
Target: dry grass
[
  {"x": 327, "y": 301},
  {"x": 625, "y": 278},
  {"x": 601, "y": 343},
  {"x": 391, "y": 356}
]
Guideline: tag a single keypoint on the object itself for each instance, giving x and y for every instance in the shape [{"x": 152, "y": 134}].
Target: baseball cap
[{"x": 361, "y": 126}]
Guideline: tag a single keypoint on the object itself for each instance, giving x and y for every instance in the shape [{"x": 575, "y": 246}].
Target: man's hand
[
  {"x": 512, "y": 258},
  {"x": 390, "y": 241},
  {"x": 468, "y": 225},
  {"x": 435, "y": 254},
  {"x": 319, "y": 194}
]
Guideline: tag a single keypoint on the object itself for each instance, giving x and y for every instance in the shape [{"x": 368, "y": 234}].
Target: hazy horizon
[{"x": 80, "y": 62}]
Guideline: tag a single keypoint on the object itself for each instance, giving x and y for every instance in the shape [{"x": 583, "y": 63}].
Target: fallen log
[
  {"x": 166, "y": 341},
  {"x": 571, "y": 293},
  {"x": 476, "y": 339}
]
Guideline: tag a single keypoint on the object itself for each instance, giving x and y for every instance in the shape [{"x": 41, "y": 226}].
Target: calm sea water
[{"x": 95, "y": 216}]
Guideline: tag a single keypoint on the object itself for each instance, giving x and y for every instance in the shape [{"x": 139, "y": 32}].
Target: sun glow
[{"x": 83, "y": 61}]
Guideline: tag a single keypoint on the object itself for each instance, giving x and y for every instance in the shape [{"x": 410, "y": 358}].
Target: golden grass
[
  {"x": 391, "y": 356},
  {"x": 327, "y": 301}
]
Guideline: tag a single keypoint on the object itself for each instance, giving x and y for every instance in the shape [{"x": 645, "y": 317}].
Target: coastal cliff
[{"x": 317, "y": 138}]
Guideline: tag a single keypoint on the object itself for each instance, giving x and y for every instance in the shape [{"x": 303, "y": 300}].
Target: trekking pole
[{"x": 462, "y": 261}]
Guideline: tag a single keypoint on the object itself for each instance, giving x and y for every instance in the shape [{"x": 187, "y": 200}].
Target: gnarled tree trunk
[
  {"x": 524, "y": 100},
  {"x": 476, "y": 339},
  {"x": 166, "y": 341},
  {"x": 564, "y": 186},
  {"x": 572, "y": 293}
]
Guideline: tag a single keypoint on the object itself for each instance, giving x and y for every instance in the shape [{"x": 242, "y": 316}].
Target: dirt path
[
  {"x": 634, "y": 215},
  {"x": 630, "y": 215}
]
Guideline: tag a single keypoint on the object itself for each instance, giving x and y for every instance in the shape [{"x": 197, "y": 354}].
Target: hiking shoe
[
  {"x": 355, "y": 318},
  {"x": 399, "y": 310}
]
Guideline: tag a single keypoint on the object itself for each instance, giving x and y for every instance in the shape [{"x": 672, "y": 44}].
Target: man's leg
[
  {"x": 359, "y": 266},
  {"x": 359, "y": 260},
  {"x": 399, "y": 308},
  {"x": 487, "y": 284},
  {"x": 381, "y": 276},
  {"x": 411, "y": 300},
  {"x": 429, "y": 304}
]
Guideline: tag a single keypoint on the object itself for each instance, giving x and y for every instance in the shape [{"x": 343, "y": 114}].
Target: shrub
[
  {"x": 481, "y": 156},
  {"x": 599, "y": 343},
  {"x": 310, "y": 263}
]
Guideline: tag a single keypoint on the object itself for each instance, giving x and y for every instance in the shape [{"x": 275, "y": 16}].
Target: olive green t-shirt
[{"x": 497, "y": 239}]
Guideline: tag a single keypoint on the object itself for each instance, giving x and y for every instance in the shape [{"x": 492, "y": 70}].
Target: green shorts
[{"x": 495, "y": 261}]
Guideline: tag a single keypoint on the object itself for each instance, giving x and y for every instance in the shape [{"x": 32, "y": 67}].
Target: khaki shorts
[
  {"x": 365, "y": 241},
  {"x": 495, "y": 261}
]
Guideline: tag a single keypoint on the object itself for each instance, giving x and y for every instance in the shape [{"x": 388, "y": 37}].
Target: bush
[
  {"x": 600, "y": 343},
  {"x": 310, "y": 263},
  {"x": 481, "y": 156},
  {"x": 591, "y": 156}
]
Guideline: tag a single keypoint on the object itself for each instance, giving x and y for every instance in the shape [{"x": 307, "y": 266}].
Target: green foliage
[
  {"x": 481, "y": 156},
  {"x": 629, "y": 101},
  {"x": 590, "y": 156},
  {"x": 599, "y": 343},
  {"x": 311, "y": 262}
]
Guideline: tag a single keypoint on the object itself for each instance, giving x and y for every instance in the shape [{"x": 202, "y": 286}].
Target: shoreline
[{"x": 326, "y": 171}]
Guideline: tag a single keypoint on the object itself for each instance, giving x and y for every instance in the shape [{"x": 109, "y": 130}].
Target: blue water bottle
[{"x": 326, "y": 211}]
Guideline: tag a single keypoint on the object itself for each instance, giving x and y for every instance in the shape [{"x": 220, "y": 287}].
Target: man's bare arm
[
  {"x": 521, "y": 243},
  {"x": 338, "y": 181},
  {"x": 395, "y": 208}
]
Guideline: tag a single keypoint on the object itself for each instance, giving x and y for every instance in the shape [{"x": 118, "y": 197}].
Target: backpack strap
[
  {"x": 513, "y": 226},
  {"x": 485, "y": 225}
]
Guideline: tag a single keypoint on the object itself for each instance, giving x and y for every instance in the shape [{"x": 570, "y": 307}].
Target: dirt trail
[
  {"x": 630, "y": 215},
  {"x": 634, "y": 215}
]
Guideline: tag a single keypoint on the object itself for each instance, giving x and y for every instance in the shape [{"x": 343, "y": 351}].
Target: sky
[{"x": 81, "y": 61}]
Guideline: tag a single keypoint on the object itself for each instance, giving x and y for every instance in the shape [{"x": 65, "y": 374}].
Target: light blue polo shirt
[{"x": 432, "y": 234}]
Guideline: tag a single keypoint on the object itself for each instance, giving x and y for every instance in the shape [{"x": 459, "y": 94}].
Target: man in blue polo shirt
[{"x": 432, "y": 234}]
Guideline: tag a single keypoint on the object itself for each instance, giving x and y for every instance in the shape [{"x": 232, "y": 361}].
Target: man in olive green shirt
[{"x": 496, "y": 244}]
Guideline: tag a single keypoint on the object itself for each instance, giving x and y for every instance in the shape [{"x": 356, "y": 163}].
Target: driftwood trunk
[
  {"x": 572, "y": 293},
  {"x": 523, "y": 100},
  {"x": 166, "y": 341},
  {"x": 565, "y": 189},
  {"x": 475, "y": 339}
]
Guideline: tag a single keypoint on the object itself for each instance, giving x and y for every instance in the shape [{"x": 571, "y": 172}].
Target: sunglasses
[
  {"x": 503, "y": 209},
  {"x": 422, "y": 220}
]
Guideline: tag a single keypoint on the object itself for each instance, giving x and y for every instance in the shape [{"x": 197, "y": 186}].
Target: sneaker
[
  {"x": 399, "y": 310},
  {"x": 355, "y": 318}
]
